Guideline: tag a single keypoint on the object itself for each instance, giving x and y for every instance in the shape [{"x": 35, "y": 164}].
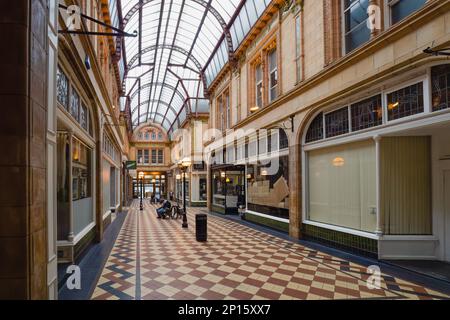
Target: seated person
[{"x": 161, "y": 211}]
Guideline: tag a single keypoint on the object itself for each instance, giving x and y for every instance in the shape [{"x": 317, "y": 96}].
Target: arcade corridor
[{"x": 158, "y": 260}]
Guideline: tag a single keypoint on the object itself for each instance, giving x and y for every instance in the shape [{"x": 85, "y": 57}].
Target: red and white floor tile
[{"x": 158, "y": 260}]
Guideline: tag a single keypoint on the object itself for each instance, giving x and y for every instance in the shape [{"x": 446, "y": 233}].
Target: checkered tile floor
[{"x": 158, "y": 260}]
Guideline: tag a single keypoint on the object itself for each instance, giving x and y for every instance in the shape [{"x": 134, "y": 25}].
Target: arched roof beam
[{"x": 214, "y": 12}]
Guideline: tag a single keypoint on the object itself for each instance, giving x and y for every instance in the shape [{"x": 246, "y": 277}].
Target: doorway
[{"x": 447, "y": 213}]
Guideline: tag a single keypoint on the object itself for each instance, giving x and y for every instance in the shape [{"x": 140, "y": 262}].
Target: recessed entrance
[{"x": 447, "y": 213}]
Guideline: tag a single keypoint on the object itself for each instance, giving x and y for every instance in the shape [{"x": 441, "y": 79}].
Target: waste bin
[{"x": 201, "y": 227}]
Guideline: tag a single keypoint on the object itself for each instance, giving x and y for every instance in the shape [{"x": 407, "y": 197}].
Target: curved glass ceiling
[{"x": 181, "y": 48}]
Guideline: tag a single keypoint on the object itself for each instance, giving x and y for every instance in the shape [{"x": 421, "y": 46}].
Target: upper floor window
[
  {"x": 273, "y": 75},
  {"x": 147, "y": 136},
  {"x": 355, "y": 23},
  {"x": 153, "y": 135},
  {"x": 259, "y": 85},
  {"x": 400, "y": 9},
  {"x": 160, "y": 136},
  {"x": 223, "y": 111},
  {"x": 298, "y": 48}
]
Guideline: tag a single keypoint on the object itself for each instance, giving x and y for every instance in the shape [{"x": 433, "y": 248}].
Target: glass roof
[{"x": 181, "y": 48}]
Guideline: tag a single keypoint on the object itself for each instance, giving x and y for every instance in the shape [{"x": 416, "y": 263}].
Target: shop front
[
  {"x": 228, "y": 188},
  {"x": 375, "y": 171}
]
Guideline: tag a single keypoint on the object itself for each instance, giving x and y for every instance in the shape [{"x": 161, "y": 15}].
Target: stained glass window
[
  {"x": 440, "y": 81},
  {"x": 75, "y": 104},
  {"x": 367, "y": 113},
  {"x": 62, "y": 88},
  {"x": 315, "y": 130},
  {"x": 84, "y": 116},
  {"x": 406, "y": 102},
  {"x": 336, "y": 123}
]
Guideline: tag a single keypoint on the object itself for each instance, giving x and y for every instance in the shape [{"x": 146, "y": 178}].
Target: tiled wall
[{"x": 23, "y": 87}]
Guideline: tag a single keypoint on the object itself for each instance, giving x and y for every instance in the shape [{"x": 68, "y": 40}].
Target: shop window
[
  {"x": 62, "y": 88},
  {"x": 315, "y": 130},
  {"x": 400, "y": 9},
  {"x": 81, "y": 171},
  {"x": 355, "y": 24},
  {"x": 273, "y": 75},
  {"x": 252, "y": 147},
  {"x": 406, "y": 102},
  {"x": 283, "y": 139},
  {"x": 202, "y": 190},
  {"x": 268, "y": 187},
  {"x": 262, "y": 142},
  {"x": 440, "y": 79},
  {"x": 336, "y": 123},
  {"x": 342, "y": 186},
  {"x": 367, "y": 113},
  {"x": 75, "y": 105}
]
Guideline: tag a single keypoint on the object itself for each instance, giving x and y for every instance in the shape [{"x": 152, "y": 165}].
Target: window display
[
  {"x": 268, "y": 193},
  {"x": 81, "y": 171}
]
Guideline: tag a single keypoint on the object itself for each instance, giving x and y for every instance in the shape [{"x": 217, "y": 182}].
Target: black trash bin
[{"x": 201, "y": 227}]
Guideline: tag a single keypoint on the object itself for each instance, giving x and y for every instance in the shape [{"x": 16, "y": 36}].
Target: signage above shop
[{"x": 131, "y": 165}]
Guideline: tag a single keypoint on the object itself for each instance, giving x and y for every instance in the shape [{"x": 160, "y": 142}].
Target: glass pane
[
  {"x": 367, "y": 113},
  {"x": 406, "y": 102},
  {"x": 336, "y": 123},
  {"x": 75, "y": 104},
  {"x": 440, "y": 78},
  {"x": 315, "y": 130},
  {"x": 404, "y": 8},
  {"x": 62, "y": 88}
]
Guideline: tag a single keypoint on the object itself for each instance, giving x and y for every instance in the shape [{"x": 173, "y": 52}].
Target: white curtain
[
  {"x": 342, "y": 185},
  {"x": 406, "y": 185}
]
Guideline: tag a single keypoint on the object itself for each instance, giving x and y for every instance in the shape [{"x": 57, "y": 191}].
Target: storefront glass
[{"x": 268, "y": 187}]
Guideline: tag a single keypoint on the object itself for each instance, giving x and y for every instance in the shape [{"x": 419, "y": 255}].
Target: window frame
[
  {"x": 257, "y": 84},
  {"x": 343, "y": 11},
  {"x": 272, "y": 70},
  {"x": 299, "y": 47}
]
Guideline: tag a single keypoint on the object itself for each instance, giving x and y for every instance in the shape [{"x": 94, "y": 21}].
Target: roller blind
[{"x": 342, "y": 186}]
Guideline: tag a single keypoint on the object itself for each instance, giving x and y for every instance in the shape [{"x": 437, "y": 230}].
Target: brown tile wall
[{"x": 23, "y": 84}]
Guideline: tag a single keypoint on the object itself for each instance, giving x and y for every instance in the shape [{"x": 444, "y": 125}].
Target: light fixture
[
  {"x": 254, "y": 109},
  {"x": 228, "y": 180},
  {"x": 249, "y": 176},
  {"x": 264, "y": 173},
  {"x": 338, "y": 162},
  {"x": 392, "y": 106},
  {"x": 223, "y": 174},
  {"x": 141, "y": 175},
  {"x": 178, "y": 176},
  {"x": 153, "y": 181},
  {"x": 186, "y": 162}
]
